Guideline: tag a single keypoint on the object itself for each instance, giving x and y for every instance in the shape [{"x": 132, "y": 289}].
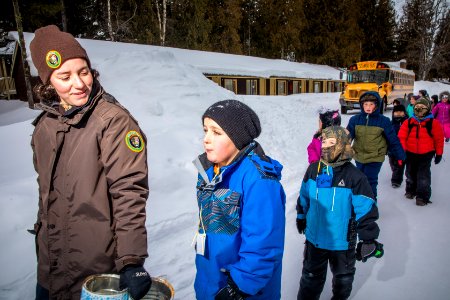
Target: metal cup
[
  {"x": 103, "y": 287},
  {"x": 161, "y": 290}
]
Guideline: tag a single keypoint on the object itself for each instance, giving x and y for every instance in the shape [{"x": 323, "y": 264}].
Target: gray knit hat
[
  {"x": 51, "y": 47},
  {"x": 239, "y": 121}
]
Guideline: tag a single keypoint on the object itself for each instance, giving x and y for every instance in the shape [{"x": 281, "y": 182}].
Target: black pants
[
  {"x": 418, "y": 174},
  {"x": 314, "y": 274},
  {"x": 397, "y": 171},
  {"x": 41, "y": 293}
]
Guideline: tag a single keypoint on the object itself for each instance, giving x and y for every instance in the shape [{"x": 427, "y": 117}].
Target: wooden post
[{"x": 26, "y": 67}]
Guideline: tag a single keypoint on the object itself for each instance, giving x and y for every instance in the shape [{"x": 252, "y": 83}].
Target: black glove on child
[
  {"x": 136, "y": 279},
  {"x": 301, "y": 225},
  {"x": 437, "y": 159},
  {"x": 367, "y": 249},
  {"x": 230, "y": 291}
]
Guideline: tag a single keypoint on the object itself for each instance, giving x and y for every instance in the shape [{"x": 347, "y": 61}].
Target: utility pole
[{"x": 26, "y": 67}]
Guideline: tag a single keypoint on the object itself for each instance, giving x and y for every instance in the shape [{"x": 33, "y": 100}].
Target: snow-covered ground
[{"x": 168, "y": 96}]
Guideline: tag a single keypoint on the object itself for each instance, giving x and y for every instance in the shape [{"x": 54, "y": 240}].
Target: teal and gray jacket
[
  {"x": 242, "y": 211},
  {"x": 338, "y": 205}
]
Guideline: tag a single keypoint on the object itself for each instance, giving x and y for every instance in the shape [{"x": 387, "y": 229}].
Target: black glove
[
  {"x": 437, "y": 159},
  {"x": 136, "y": 279},
  {"x": 230, "y": 291},
  {"x": 367, "y": 249},
  {"x": 301, "y": 225}
]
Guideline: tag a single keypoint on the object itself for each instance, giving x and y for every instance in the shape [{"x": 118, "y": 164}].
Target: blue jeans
[{"x": 371, "y": 170}]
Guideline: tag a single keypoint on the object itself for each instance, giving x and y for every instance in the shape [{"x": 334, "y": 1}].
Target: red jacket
[{"x": 417, "y": 140}]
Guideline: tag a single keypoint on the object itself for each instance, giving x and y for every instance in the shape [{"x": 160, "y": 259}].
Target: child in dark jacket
[
  {"x": 373, "y": 135},
  {"x": 327, "y": 118},
  {"x": 335, "y": 205},
  {"x": 398, "y": 117},
  {"x": 423, "y": 138}
]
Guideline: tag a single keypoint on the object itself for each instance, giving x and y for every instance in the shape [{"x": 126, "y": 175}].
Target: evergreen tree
[
  {"x": 277, "y": 28},
  {"x": 226, "y": 16},
  {"x": 418, "y": 35},
  {"x": 377, "y": 22},
  {"x": 191, "y": 25},
  {"x": 334, "y": 37}
]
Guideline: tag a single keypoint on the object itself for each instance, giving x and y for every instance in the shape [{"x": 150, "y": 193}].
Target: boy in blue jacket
[
  {"x": 373, "y": 136},
  {"x": 240, "y": 238},
  {"x": 335, "y": 205}
]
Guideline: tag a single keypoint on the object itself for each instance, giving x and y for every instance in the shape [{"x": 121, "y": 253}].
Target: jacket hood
[
  {"x": 256, "y": 154},
  {"x": 379, "y": 102},
  {"x": 429, "y": 116}
]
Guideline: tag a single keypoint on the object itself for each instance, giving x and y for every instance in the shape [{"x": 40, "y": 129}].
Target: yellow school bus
[{"x": 390, "y": 79}]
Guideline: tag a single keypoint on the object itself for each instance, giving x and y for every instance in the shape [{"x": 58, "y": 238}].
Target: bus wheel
[{"x": 343, "y": 110}]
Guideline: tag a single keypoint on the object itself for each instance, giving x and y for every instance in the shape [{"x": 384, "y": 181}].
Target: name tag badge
[{"x": 200, "y": 243}]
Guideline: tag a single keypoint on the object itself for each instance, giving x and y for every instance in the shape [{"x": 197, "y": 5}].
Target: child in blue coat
[
  {"x": 240, "y": 238},
  {"x": 335, "y": 205}
]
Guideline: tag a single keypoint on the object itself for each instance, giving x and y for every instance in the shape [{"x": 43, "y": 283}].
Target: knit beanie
[
  {"x": 425, "y": 102},
  {"x": 330, "y": 118},
  {"x": 424, "y": 93},
  {"x": 399, "y": 107},
  {"x": 51, "y": 47},
  {"x": 239, "y": 121}
]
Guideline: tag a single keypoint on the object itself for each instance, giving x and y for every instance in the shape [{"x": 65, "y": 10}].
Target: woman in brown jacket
[{"x": 91, "y": 160}]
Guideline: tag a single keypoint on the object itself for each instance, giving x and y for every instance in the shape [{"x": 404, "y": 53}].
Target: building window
[
  {"x": 337, "y": 87},
  {"x": 317, "y": 87},
  {"x": 297, "y": 87},
  {"x": 330, "y": 87},
  {"x": 281, "y": 87},
  {"x": 230, "y": 84},
  {"x": 251, "y": 87}
]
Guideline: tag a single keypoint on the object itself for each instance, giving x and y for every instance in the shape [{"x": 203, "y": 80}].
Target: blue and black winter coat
[
  {"x": 338, "y": 205},
  {"x": 373, "y": 136},
  {"x": 242, "y": 210}
]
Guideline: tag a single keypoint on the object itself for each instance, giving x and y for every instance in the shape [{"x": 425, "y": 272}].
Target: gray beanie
[{"x": 239, "y": 121}]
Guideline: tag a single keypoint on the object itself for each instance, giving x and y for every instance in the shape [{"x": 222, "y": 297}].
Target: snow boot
[
  {"x": 421, "y": 202},
  {"x": 396, "y": 185},
  {"x": 409, "y": 195}
]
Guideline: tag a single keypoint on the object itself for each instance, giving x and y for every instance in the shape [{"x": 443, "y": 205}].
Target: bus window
[{"x": 378, "y": 76}]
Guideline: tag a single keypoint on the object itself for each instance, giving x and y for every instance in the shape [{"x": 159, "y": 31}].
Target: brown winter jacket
[{"x": 92, "y": 194}]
